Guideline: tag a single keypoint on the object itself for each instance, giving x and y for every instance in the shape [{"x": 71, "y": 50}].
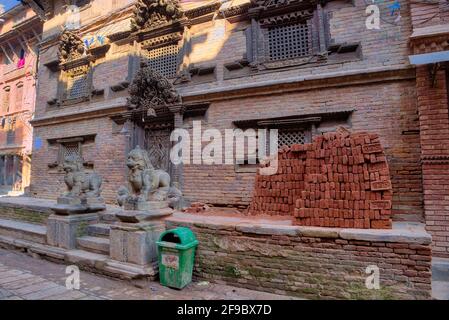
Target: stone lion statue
[
  {"x": 80, "y": 183},
  {"x": 145, "y": 183}
]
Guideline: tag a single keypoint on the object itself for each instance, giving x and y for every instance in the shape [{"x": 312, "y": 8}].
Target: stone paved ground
[{"x": 25, "y": 278}]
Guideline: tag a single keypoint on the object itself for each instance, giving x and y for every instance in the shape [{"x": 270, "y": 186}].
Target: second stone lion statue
[
  {"x": 145, "y": 183},
  {"x": 80, "y": 183}
]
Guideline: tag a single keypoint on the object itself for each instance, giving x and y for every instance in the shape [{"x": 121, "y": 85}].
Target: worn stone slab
[
  {"x": 5, "y": 281},
  {"x": 23, "y": 230},
  {"x": 86, "y": 258},
  {"x": 69, "y": 295},
  {"x": 95, "y": 244},
  {"x": 45, "y": 293},
  {"x": 21, "y": 283},
  {"x": 416, "y": 235},
  {"x": 268, "y": 229},
  {"x": 10, "y": 273},
  {"x": 99, "y": 229},
  {"x": 35, "y": 287},
  {"x": 319, "y": 232}
]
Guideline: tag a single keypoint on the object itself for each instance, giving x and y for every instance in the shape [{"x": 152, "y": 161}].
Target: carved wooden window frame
[
  {"x": 64, "y": 146},
  {"x": 63, "y": 86},
  {"x": 161, "y": 43},
  {"x": 6, "y": 99},
  {"x": 258, "y": 37},
  {"x": 19, "y": 96}
]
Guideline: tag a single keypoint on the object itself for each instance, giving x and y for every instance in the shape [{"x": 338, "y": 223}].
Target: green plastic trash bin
[{"x": 176, "y": 257}]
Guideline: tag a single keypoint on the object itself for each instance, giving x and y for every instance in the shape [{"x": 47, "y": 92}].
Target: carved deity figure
[
  {"x": 151, "y": 89},
  {"x": 145, "y": 183},
  {"x": 80, "y": 184},
  {"x": 152, "y": 13},
  {"x": 70, "y": 47}
]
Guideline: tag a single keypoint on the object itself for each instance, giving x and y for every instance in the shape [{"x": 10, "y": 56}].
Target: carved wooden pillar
[{"x": 178, "y": 112}]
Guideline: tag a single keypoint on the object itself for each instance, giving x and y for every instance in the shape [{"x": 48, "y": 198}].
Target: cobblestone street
[{"x": 25, "y": 278}]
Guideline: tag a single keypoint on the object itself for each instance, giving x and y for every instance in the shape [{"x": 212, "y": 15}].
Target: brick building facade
[
  {"x": 428, "y": 41},
  {"x": 303, "y": 67},
  {"x": 20, "y": 29}
]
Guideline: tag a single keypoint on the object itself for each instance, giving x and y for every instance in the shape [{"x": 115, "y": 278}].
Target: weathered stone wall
[{"x": 313, "y": 263}]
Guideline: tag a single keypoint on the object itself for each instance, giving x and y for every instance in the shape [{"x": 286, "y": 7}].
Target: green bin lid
[{"x": 185, "y": 236}]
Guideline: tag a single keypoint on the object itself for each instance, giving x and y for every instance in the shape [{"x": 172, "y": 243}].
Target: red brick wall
[
  {"x": 309, "y": 266},
  {"x": 434, "y": 123},
  {"x": 107, "y": 155},
  {"x": 387, "y": 108}
]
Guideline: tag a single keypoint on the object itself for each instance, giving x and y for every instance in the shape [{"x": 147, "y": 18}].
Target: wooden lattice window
[
  {"x": 19, "y": 96},
  {"x": 78, "y": 83},
  {"x": 165, "y": 60},
  {"x": 289, "y": 41},
  {"x": 71, "y": 149},
  {"x": 291, "y": 137},
  {"x": 6, "y": 99}
]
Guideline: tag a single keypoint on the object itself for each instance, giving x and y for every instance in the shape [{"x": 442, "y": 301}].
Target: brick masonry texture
[
  {"x": 326, "y": 267},
  {"x": 341, "y": 179},
  {"x": 386, "y": 109},
  {"x": 434, "y": 122},
  {"x": 107, "y": 154}
]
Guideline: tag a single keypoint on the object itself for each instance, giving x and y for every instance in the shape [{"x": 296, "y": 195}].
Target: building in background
[{"x": 20, "y": 29}]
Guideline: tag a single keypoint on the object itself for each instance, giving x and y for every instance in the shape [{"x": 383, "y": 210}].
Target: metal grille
[
  {"x": 288, "y": 138},
  {"x": 78, "y": 83},
  {"x": 164, "y": 60},
  {"x": 71, "y": 149},
  {"x": 290, "y": 41}
]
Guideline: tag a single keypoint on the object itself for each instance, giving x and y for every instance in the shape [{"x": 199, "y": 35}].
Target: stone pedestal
[
  {"x": 75, "y": 205},
  {"x": 136, "y": 242},
  {"x": 62, "y": 231}
]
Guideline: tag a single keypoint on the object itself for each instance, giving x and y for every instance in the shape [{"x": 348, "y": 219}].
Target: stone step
[
  {"x": 23, "y": 231},
  {"x": 94, "y": 244},
  {"x": 99, "y": 230}
]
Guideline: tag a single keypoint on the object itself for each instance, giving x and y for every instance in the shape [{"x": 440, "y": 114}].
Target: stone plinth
[
  {"x": 62, "y": 231},
  {"x": 74, "y": 205},
  {"x": 136, "y": 242}
]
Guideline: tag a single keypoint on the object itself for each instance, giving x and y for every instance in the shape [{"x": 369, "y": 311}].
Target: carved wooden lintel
[
  {"x": 150, "y": 14},
  {"x": 167, "y": 39},
  {"x": 99, "y": 51}
]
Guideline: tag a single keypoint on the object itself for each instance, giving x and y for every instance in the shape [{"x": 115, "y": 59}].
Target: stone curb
[{"x": 398, "y": 235}]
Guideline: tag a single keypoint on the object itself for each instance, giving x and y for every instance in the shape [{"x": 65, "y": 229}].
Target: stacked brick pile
[{"x": 341, "y": 179}]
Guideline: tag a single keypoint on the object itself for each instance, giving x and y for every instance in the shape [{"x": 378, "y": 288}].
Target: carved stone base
[
  {"x": 67, "y": 206},
  {"x": 134, "y": 216},
  {"x": 62, "y": 231},
  {"x": 136, "y": 243}
]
